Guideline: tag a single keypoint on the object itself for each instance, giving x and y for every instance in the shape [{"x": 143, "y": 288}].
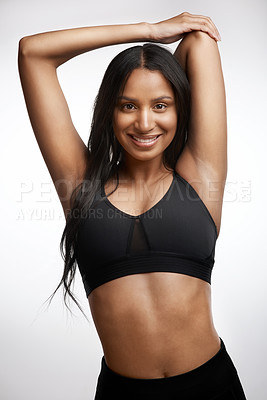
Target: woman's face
[{"x": 145, "y": 116}]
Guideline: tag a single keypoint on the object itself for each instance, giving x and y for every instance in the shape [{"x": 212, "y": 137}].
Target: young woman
[{"x": 142, "y": 201}]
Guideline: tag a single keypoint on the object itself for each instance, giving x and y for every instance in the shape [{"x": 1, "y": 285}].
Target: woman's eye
[
  {"x": 128, "y": 106},
  {"x": 160, "y": 106}
]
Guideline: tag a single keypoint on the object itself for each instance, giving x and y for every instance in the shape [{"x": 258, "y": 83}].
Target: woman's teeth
[{"x": 145, "y": 140}]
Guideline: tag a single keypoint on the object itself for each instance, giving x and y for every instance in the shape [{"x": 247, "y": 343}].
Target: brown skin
[
  {"x": 156, "y": 324},
  {"x": 163, "y": 322},
  {"x": 144, "y": 116}
]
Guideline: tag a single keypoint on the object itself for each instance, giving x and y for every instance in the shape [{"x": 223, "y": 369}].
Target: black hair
[{"x": 104, "y": 150}]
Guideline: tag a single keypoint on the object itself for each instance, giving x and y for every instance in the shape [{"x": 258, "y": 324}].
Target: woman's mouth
[{"x": 144, "y": 141}]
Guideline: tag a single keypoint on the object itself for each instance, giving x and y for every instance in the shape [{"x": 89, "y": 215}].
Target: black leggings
[{"x": 216, "y": 379}]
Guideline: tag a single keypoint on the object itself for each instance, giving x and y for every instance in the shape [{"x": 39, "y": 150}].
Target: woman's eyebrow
[{"x": 156, "y": 99}]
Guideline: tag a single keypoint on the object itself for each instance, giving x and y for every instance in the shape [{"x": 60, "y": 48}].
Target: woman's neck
[{"x": 142, "y": 171}]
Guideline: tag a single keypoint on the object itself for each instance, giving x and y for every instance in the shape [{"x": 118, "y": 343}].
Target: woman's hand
[{"x": 173, "y": 29}]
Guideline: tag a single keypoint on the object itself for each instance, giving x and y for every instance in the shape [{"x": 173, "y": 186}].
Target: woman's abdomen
[{"x": 154, "y": 325}]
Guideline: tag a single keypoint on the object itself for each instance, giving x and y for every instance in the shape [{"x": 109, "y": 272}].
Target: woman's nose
[{"x": 144, "y": 121}]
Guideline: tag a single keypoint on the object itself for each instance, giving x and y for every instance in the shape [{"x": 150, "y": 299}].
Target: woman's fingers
[
  {"x": 216, "y": 30},
  {"x": 173, "y": 29},
  {"x": 207, "y": 24},
  {"x": 204, "y": 27},
  {"x": 203, "y": 23}
]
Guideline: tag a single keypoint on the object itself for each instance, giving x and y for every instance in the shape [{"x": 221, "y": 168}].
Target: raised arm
[
  {"x": 204, "y": 159},
  {"x": 40, "y": 55},
  {"x": 199, "y": 56}
]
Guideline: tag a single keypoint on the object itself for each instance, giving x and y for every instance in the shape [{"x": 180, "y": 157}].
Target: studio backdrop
[{"x": 45, "y": 352}]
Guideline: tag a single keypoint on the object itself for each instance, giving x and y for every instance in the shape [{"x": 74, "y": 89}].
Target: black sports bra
[{"x": 176, "y": 235}]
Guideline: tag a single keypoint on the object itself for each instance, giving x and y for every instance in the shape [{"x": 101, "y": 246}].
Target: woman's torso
[{"x": 155, "y": 324}]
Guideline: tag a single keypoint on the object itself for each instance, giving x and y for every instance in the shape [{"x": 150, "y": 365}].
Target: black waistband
[{"x": 219, "y": 368}]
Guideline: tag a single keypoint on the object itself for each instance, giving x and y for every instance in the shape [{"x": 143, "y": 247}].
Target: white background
[{"x": 46, "y": 354}]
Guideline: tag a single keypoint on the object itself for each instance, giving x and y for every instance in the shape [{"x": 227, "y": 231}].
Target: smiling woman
[
  {"x": 159, "y": 122},
  {"x": 150, "y": 120}
]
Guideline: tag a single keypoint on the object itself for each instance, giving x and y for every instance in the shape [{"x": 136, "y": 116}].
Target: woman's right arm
[{"x": 64, "y": 152}]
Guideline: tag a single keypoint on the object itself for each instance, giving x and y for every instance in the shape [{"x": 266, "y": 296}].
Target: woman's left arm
[{"x": 198, "y": 54}]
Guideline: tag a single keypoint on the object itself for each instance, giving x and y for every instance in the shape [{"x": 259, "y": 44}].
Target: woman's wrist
[
  {"x": 149, "y": 31},
  {"x": 131, "y": 33},
  {"x": 153, "y": 32}
]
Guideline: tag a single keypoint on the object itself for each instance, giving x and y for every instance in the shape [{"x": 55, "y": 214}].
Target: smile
[{"x": 142, "y": 142}]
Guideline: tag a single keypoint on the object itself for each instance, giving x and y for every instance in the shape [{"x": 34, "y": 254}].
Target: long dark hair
[{"x": 104, "y": 150}]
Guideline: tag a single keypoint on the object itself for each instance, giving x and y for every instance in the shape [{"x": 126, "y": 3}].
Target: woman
[{"x": 142, "y": 235}]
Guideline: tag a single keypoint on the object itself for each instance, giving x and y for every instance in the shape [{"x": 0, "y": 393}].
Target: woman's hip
[{"x": 215, "y": 379}]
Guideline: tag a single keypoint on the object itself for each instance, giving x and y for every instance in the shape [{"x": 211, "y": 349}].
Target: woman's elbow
[{"x": 27, "y": 47}]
